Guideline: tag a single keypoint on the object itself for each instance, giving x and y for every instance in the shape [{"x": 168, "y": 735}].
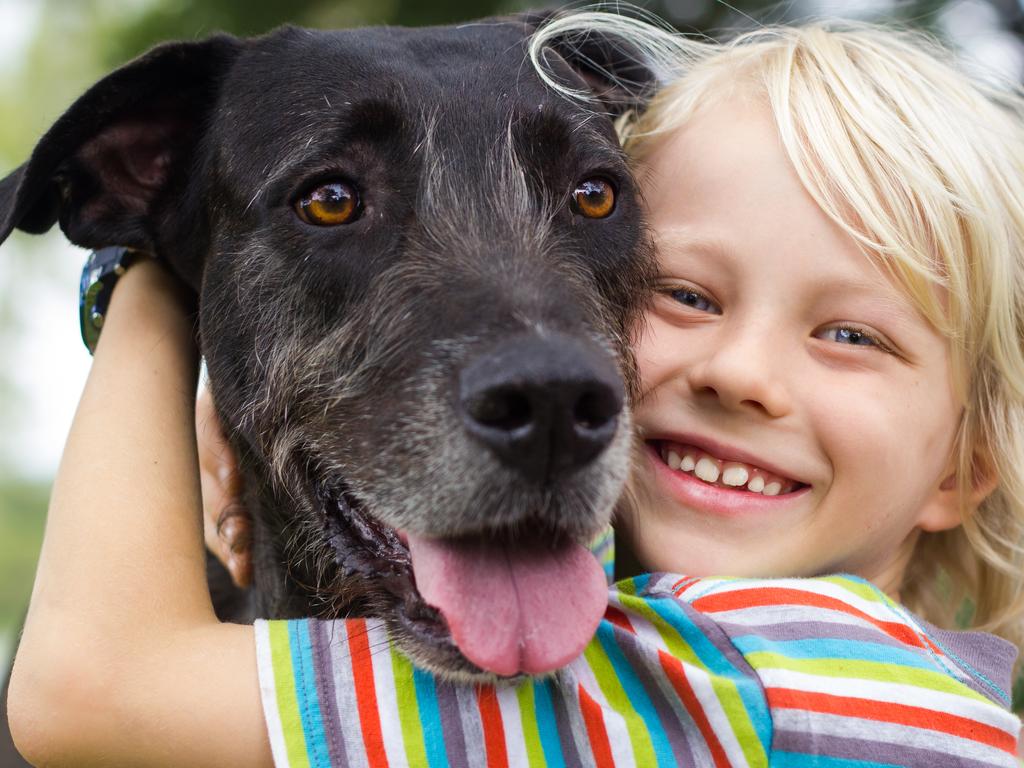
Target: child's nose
[{"x": 744, "y": 371}]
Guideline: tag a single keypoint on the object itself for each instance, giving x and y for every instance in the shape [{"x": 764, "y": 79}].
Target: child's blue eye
[
  {"x": 853, "y": 336},
  {"x": 695, "y": 299}
]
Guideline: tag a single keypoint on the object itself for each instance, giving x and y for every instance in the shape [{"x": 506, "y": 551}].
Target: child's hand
[{"x": 227, "y": 526}]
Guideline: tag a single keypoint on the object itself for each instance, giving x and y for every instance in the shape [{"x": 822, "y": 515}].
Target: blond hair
[{"x": 922, "y": 165}]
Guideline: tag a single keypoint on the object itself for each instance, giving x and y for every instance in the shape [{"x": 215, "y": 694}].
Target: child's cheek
[{"x": 657, "y": 357}]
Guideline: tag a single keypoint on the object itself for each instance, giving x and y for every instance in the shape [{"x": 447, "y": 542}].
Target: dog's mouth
[
  {"x": 371, "y": 552},
  {"x": 507, "y": 602}
]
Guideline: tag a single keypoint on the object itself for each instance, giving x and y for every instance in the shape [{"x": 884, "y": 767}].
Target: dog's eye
[
  {"x": 329, "y": 205},
  {"x": 594, "y": 198}
]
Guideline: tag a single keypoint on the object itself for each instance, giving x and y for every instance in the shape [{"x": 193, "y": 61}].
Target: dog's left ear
[
  {"x": 112, "y": 169},
  {"x": 609, "y": 64}
]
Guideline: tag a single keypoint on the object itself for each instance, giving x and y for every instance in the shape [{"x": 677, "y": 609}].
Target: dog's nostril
[
  {"x": 595, "y": 409},
  {"x": 501, "y": 408}
]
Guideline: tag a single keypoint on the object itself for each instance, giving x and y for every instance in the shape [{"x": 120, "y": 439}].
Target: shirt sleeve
[
  {"x": 659, "y": 685},
  {"x": 854, "y": 677}
]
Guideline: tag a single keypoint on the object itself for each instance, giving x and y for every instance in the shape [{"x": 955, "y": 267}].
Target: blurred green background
[{"x": 50, "y": 50}]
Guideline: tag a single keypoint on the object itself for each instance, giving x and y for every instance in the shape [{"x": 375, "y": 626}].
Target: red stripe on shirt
[
  {"x": 772, "y": 596},
  {"x": 593, "y": 719},
  {"x": 684, "y": 584},
  {"x": 619, "y": 619},
  {"x": 366, "y": 692},
  {"x": 887, "y": 712},
  {"x": 494, "y": 729},
  {"x": 676, "y": 674}
]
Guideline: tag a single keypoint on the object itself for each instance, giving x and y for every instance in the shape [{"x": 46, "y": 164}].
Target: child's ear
[{"x": 943, "y": 511}]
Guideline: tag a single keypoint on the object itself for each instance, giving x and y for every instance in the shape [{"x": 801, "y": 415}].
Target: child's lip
[
  {"x": 726, "y": 502},
  {"x": 724, "y": 452}
]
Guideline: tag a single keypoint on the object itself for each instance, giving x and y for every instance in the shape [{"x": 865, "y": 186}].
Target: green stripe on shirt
[{"x": 287, "y": 702}]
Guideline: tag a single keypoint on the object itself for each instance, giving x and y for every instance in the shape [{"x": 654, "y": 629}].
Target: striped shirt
[{"x": 822, "y": 672}]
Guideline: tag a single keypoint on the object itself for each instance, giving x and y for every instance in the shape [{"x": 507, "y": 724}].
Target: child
[{"x": 831, "y": 376}]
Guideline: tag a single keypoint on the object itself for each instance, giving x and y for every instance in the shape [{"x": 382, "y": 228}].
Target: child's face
[{"x": 759, "y": 350}]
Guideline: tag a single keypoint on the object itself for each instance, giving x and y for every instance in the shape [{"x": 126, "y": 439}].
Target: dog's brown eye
[
  {"x": 329, "y": 205},
  {"x": 594, "y": 198}
]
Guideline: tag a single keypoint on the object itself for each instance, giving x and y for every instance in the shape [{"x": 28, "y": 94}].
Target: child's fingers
[
  {"x": 234, "y": 532},
  {"x": 226, "y": 522},
  {"x": 213, "y": 497}
]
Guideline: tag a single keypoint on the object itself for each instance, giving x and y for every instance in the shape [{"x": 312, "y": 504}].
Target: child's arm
[{"x": 122, "y": 661}]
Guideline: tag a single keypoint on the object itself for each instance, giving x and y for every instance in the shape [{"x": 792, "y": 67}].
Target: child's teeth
[
  {"x": 735, "y": 476},
  {"x": 707, "y": 470},
  {"x": 731, "y": 474},
  {"x": 673, "y": 459}
]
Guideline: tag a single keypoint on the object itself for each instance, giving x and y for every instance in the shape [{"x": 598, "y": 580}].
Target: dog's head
[{"x": 416, "y": 268}]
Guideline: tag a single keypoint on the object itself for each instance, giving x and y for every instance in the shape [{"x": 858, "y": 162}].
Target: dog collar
[{"x": 99, "y": 275}]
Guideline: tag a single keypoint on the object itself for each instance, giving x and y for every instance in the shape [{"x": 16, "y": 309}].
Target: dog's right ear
[
  {"x": 580, "y": 49},
  {"x": 109, "y": 168}
]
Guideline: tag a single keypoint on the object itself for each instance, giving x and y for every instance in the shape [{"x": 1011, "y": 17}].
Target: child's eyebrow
[
  {"x": 832, "y": 289},
  {"x": 678, "y": 240}
]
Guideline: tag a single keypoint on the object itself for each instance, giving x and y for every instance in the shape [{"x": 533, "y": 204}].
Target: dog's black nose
[{"x": 545, "y": 406}]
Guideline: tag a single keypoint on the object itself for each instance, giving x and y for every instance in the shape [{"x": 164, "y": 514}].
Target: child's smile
[
  {"x": 724, "y": 467},
  {"x": 724, "y": 487},
  {"x": 798, "y": 412}
]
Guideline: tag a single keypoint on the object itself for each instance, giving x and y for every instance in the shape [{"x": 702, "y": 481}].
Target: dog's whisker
[{"x": 254, "y": 199}]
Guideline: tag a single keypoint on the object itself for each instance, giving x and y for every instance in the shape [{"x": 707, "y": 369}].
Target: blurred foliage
[
  {"x": 22, "y": 510},
  {"x": 197, "y": 18},
  {"x": 715, "y": 17},
  {"x": 126, "y": 35}
]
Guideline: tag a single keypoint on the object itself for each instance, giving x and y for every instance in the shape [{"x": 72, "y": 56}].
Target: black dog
[{"x": 416, "y": 267}]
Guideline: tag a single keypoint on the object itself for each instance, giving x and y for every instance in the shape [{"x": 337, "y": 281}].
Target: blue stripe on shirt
[
  {"x": 306, "y": 690},
  {"x": 430, "y": 718},
  {"x": 634, "y": 688},
  {"x": 547, "y": 726},
  {"x": 834, "y": 648},
  {"x": 802, "y": 760}
]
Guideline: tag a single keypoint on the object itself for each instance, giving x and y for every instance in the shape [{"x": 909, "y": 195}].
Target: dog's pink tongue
[{"x": 512, "y": 611}]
